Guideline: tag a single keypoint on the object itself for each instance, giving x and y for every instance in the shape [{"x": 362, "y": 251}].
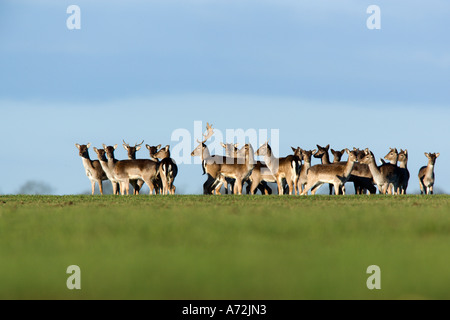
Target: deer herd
[{"x": 293, "y": 174}]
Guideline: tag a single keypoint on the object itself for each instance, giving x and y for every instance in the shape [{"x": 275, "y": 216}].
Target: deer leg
[
  {"x": 207, "y": 186},
  {"x": 315, "y": 188},
  {"x": 337, "y": 188},
  {"x": 291, "y": 186},
  {"x": 280, "y": 186},
  {"x": 422, "y": 187},
  {"x": 237, "y": 188}
]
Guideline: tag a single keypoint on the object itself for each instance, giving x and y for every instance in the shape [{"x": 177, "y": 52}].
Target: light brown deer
[
  {"x": 426, "y": 174},
  {"x": 322, "y": 154},
  {"x": 146, "y": 170},
  {"x": 231, "y": 151},
  {"x": 168, "y": 170},
  {"x": 392, "y": 156},
  {"x": 107, "y": 161},
  {"x": 303, "y": 176},
  {"x": 383, "y": 175},
  {"x": 92, "y": 168},
  {"x": 285, "y": 168},
  {"x": 335, "y": 174},
  {"x": 218, "y": 167},
  {"x": 131, "y": 152},
  {"x": 259, "y": 177}
]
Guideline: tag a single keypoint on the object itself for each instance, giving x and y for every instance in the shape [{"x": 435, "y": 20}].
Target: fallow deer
[
  {"x": 337, "y": 155},
  {"x": 152, "y": 152},
  {"x": 258, "y": 178},
  {"x": 383, "y": 175},
  {"x": 231, "y": 151},
  {"x": 138, "y": 169},
  {"x": 426, "y": 174},
  {"x": 404, "y": 172},
  {"x": 285, "y": 168},
  {"x": 168, "y": 170},
  {"x": 218, "y": 167},
  {"x": 306, "y": 156},
  {"x": 131, "y": 152},
  {"x": 361, "y": 176},
  {"x": 392, "y": 156},
  {"x": 107, "y": 161},
  {"x": 93, "y": 168},
  {"x": 335, "y": 174},
  {"x": 322, "y": 154}
]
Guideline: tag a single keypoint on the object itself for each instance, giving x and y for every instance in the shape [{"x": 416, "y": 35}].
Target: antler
[
  {"x": 125, "y": 143},
  {"x": 209, "y": 133},
  {"x": 137, "y": 145}
]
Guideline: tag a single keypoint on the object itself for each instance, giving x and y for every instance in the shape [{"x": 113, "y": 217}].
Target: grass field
[{"x": 224, "y": 247}]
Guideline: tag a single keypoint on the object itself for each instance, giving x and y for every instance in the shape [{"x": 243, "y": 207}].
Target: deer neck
[
  {"x": 271, "y": 162},
  {"x": 375, "y": 170},
  {"x": 205, "y": 153},
  {"x": 403, "y": 165},
  {"x": 111, "y": 162},
  {"x": 349, "y": 168},
  {"x": 250, "y": 160},
  {"x": 325, "y": 158},
  {"x": 154, "y": 159},
  {"x": 307, "y": 164},
  {"x": 430, "y": 170},
  {"x": 87, "y": 162}
]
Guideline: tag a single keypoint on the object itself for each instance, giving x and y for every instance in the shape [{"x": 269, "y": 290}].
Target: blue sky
[{"x": 141, "y": 69}]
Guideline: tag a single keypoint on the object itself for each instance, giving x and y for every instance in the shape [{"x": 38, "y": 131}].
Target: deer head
[
  {"x": 132, "y": 150},
  {"x": 83, "y": 150}
]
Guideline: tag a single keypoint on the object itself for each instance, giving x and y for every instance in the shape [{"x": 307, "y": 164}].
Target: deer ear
[
  {"x": 138, "y": 147},
  {"x": 327, "y": 147},
  {"x": 343, "y": 150},
  {"x": 236, "y": 145},
  {"x": 96, "y": 150},
  {"x": 167, "y": 148},
  {"x": 88, "y": 145},
  {"x": 332, "y": 151},
  {"x": 147, "y": 146},
  {"x": 158, "y": 146},
  {"x": 104, "y": 146},
  {"x": 348, "y": 151},
  {"x": 223, "y": 145},
  {"x": 125, "y": 147},
  {"x": 427, "y": 155},
  {"x": 314, "y": 151},
  {"x": 293, "y": 149},
  {"x": 77, "y": 145},
  {"x": 115, "y": 146},
  {"x": 437, "y": 155}
]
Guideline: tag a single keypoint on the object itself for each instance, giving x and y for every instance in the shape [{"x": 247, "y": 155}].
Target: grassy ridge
[{"x": 224, "y": 247}]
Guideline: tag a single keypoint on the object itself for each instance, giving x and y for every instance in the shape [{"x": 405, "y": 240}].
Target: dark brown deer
[
  {"x": 404, "y": 172},
  {"x": 168, "y": 170}
]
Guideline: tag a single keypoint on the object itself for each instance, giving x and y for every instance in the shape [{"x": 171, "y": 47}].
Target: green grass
[{"x": 224, "y": 247}]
